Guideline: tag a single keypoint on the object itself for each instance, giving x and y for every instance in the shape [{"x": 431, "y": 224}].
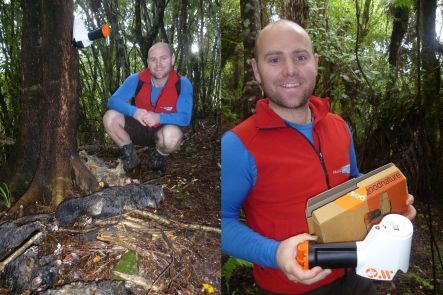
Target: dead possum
[
  {"x": 105, "y": 176},
  {"x": 109, "y": 202}
]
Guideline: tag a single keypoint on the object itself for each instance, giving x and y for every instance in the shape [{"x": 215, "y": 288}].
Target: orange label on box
[
  {"x": 384, "y": 183},
  {"x": 352, "y": 199}
]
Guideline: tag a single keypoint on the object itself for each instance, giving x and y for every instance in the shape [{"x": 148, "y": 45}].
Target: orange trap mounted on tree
[{"x": 81, "y": 37}]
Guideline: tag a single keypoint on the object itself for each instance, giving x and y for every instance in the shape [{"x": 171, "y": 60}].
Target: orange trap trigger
[{"x": 302, "y": 254}]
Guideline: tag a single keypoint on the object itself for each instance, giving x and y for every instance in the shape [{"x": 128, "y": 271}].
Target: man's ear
[
  {"x": 255, "y": 70},
  {"x": 173, "y": 59}
]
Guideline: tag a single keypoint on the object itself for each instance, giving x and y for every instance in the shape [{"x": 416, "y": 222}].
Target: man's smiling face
[
  {"x": 160, "y": 61},
  {"x": 285, "y": 65}
]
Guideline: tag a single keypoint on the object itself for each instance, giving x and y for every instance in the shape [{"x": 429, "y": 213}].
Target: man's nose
[{"x": 290, "y": 67}]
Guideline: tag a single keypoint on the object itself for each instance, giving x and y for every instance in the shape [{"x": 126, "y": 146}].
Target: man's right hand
[
  {"x": 286, "y": 260},
  {"x": 140, "y": 115}
]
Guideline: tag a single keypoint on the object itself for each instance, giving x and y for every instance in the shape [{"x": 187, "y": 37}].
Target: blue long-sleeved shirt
[
  {"x": 119, "y": 101},
  {"x": 239, "y": 173}
]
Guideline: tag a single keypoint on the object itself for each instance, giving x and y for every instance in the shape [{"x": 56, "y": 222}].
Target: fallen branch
[
  {"x": 165, "y": 221},
  {"x": 138, "y": 280},
  {"x": 138, "y": 224},
  {"x": 128, "y": 221},
  {"x": 20, "y": 250},
  {"x": 161, "y": 274},
  {"x": 77, "y": 231},
  {"x": 113, "y": 220},
  {"x": 121, "y": 241}
]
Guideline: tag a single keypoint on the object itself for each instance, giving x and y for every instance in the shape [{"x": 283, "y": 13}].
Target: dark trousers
[
  {"x": 349, "y": 284},
  {"x": 139, "y": 134}
]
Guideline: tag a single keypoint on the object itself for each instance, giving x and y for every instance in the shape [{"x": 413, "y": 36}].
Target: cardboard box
[{"x": 348, "y": 211}]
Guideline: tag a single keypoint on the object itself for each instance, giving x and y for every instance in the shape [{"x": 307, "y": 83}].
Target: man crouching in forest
[{"x": 149, "y": 109}]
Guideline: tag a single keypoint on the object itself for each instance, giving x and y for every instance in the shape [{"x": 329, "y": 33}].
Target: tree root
[
  {"x": 49, "y": 188},
  {"x": 25, "y": 205}
]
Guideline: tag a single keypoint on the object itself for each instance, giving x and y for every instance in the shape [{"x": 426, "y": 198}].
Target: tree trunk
[
  {"x": 24, "y": 162},
  {"x": 250, "y": 20},
  {"x": 145, "y": 42},
  {"x": 114, "y": 56},
  {"x": 295, "y": 10},
  {"x": 157, "y": 24},
  {"x": 365, "y": 19},
  {"x": 58, "y": 160},
  {"x": 182, "y": 37},
  {"x": 430, "y": 98},
  {"x": 399, "y": 28},
  {"x": 138, "y": 31},
  {"x": 202, "y": 63}
]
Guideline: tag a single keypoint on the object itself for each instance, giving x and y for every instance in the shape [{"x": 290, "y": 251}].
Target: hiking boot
[
  {"x": 157, "y": 160},
  {"x": 129, "y": 158}
]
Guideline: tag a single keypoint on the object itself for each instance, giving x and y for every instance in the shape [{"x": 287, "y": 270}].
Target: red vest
[
  {"x": 167, "y": 98},
  {"x": 289, "y": 172}
]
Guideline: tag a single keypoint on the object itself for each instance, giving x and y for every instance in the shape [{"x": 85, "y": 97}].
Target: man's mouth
[{"x": 290, "y": 85}]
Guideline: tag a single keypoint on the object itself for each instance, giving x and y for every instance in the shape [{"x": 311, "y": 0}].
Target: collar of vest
[
  {"x": 266, "y": 118},
  {"x": 173, "y": 77}
]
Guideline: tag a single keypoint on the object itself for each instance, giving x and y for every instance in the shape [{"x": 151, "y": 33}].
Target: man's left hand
[
  {"x": 410, "y": 211},
  {"x": 152, "y": 119}
]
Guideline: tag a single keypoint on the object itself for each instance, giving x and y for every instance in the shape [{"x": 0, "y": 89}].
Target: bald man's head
[
  {"x": 160, "y": 46},
  {"x": 160, "y": 61},
  {"x": 279, "y": 27},
  {"x": 285, "y": 65}
]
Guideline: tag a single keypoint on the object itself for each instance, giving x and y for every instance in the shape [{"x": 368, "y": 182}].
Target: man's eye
[
  {"x": 274, "y": 60},
  {"x": 301, "y": 58}
]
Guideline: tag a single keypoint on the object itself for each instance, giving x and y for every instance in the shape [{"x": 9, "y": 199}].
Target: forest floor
[{"x": 173, "y": 260}]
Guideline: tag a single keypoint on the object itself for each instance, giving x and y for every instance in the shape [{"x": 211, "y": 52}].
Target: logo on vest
[
  {"x": 167, "y": 108},
  {"x": 344, "y": 170}
]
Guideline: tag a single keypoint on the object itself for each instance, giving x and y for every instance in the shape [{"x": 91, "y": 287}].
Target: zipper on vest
[
  {"x": 319, "y": 154},
  {"x": 322, "y": 162}
]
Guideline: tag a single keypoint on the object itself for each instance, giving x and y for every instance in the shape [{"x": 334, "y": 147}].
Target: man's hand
[
  {"x": 410, "y": 212},
  {"x": 286, "y": 261},
  {"x": 147, "y": 118},
  {"x": 152, "y": 119},
  {"x": 140, "y": 115}
]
